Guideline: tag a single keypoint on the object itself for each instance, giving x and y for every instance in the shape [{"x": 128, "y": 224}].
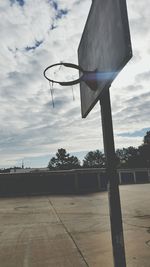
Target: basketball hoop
[
  {"x": 64, "y": 83},
  {"x": 89, "y": 77}
]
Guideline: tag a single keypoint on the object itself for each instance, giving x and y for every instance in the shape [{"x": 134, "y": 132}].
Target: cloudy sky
[{"x": 35, "y": 34}]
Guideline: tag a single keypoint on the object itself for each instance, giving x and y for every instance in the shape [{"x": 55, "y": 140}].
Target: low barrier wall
[{"x": 72, "y": 181}]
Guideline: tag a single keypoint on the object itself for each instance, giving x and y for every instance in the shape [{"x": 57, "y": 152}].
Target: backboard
[{"x": 105, "y": 48}]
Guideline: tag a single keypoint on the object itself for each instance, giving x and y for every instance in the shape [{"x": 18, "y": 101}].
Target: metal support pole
[{"x": 113, "y": 183}]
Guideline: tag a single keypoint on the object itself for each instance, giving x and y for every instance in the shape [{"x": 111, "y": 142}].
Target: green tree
[
  {"x": 144, "y": 151},
  {"x": 63, "y": 161},
  {"x": 147, "y": 138},
  {"x": 94, "y": 159},
  {"x": 128, "y": 157}
]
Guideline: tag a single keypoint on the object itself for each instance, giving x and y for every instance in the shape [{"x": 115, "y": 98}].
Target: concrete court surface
[{"x": 73, "y": 231}]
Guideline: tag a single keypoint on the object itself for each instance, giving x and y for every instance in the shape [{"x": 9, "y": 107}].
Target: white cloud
[{"x": 144, "y": 76}]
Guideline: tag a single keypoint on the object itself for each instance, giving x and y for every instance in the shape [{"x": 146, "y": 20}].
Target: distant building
[{"x": 28, "y": 170}]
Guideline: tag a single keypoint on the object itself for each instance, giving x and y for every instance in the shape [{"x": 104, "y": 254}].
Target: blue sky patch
[
  {"x": 59, "y": 12},
  {"x": 20, "y": 2},
  {"x": 54, "y": 4},
  {"x": 140, "y": 133},
  {"x": 37, "y": 44},
  {"x": 53, "y": 27}
]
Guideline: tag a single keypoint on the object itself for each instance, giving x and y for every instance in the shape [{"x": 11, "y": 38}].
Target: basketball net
[{"x": 51, "y": 86}]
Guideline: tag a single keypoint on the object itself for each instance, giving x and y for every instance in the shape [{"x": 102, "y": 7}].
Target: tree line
[{"x": 129, "y": 157}]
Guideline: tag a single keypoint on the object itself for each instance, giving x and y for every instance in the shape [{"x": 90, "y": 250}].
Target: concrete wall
[{"x": 72, "y": 181}]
